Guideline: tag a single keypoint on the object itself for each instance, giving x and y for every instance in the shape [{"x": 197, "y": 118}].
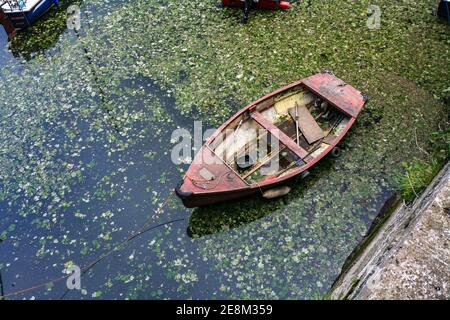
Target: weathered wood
[
  {"x": 285, "y": 126},
  {"x": 280, "y": 135},
  {"x": 262, "y": 162},
  {"x": 329, "y": 139},
  {"x": 265, "y": 104},
  {"x": 7, "y": 24},
  {"x": 306, "y": 123}
]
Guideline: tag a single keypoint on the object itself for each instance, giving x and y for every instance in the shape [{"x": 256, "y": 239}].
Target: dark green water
[{"x": 85, "y": 126}]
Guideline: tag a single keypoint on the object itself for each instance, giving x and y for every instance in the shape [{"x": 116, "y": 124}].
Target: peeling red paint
[{"x": 195, "y": 191}]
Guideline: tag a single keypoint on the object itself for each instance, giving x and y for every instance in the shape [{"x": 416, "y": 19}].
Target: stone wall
[{"x": 409, "y": 257}]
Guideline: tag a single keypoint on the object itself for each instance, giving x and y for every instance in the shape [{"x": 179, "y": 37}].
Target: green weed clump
[{"x": 420, "y": 172}]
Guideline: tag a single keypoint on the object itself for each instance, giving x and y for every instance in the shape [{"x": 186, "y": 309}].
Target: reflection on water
[
  {"x": 226, "y": 216},
  {"x": 85, "y": 159},
  {"x": 223, "y": 217}
]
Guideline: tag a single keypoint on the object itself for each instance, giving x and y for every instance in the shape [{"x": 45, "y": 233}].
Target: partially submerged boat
[
  {"x": 23, "y": 13},
  {"x": 272, "y": 141}
]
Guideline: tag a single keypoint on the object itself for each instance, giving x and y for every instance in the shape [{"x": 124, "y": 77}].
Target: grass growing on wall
[{"x": 420, "y": 172}]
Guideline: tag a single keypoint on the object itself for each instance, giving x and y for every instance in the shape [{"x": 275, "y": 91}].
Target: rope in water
[{"x": 145, "y": 228}]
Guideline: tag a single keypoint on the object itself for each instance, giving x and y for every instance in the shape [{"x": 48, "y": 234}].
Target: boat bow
[{"x": 209, "y": 173}]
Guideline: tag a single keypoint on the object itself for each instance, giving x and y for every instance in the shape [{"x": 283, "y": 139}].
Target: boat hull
[
  {"x": 230, "y": 185},
  {"x": 204, "y": 199},
  {"x": 21, "y": 20}
]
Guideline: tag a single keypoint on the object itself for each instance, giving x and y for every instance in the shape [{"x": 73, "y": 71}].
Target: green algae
[
  {"x": 44, "y": 33},
  {"x": 419, "y": 172},
  {"x": 96, "y": 95}
]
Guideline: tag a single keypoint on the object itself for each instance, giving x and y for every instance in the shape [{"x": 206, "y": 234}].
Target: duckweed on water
[
  {"x": 420, "y": 172},
  {"x": 85, "y": 150},
  {"x": 45, "y": 33}
]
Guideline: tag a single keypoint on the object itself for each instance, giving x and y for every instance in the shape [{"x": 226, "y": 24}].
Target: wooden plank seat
[
  {"x": 280, "y": 135},
  {"x": 307, "y": 124}
]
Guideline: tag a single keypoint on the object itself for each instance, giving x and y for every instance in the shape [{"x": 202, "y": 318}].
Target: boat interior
[{"x": 279, "y": 135}]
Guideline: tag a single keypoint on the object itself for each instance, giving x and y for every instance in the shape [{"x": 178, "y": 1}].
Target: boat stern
[{"x": 340, "y": 94}]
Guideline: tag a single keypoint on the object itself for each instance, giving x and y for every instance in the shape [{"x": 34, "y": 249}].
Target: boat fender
[
  {"x": 336, "y": 152},
  {"x": 444, "y": 10},
  {"x": 181, "y": 194},
  {"x": 276, "y": 193}
]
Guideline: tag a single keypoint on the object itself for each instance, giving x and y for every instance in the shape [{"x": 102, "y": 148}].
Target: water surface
[{"x": 85, "y": 127}]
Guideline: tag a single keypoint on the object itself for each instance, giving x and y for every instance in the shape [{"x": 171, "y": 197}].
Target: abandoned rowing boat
[{"x": 272, "y": 141}]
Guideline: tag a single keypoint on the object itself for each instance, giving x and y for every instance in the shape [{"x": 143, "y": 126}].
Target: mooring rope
[{"x": 145, "y": 228}]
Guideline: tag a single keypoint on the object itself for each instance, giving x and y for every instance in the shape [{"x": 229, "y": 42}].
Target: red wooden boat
[{"x": 291, "y": 129}]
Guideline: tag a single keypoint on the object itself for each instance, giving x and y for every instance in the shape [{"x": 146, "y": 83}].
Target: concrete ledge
[{"x": 409, "y": 257}]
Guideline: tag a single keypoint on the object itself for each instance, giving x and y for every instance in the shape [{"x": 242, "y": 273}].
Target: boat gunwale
[{"x": 295, "y": 172}]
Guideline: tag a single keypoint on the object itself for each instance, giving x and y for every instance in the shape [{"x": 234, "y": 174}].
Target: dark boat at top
[{"x": 272, "y": 141}]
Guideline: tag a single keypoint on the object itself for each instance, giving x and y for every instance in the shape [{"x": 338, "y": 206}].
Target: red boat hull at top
[
  {"x": 261, "y": 4},
  {"x": 214, "y": 177}
]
